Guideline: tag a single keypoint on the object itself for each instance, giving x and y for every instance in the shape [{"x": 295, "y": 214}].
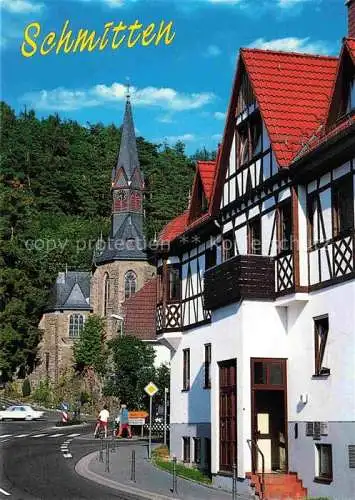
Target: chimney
[{"x": 351, "y": 18}]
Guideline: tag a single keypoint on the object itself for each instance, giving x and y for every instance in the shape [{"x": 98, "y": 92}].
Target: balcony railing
[{"x": 243, "y": 276}]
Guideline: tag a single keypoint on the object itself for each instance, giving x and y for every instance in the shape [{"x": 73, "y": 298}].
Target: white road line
[
  {"x": 67, "y": 455},
  {"x": 73, "y": 435},
  {"x": 4, "y": 492},
  {"x": 56, "y": 435},
  {"x": 21, "y": 435},
  {"x": 38, "y": 435},
  {"x": 5, "y": 435}
]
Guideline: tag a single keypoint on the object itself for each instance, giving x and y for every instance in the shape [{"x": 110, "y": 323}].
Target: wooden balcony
[{"x": 242, "y": 277}]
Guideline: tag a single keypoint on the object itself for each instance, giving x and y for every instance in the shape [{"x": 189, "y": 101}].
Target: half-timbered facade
[{"x": 255, "y": 288}]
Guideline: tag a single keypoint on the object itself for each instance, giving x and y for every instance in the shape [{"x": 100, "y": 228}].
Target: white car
[{"x": 20, "y": 412}]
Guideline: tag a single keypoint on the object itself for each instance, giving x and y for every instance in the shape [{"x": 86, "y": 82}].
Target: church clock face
[
  {"x": 121, "y": 195},
  {"x": 121, "y": 200}
]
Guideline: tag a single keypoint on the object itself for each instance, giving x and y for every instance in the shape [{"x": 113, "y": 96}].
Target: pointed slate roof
[
  {"x": 128, "y": 155},
  {"x": 71, "y": 291},
  {"x": 128, "y": 243}
]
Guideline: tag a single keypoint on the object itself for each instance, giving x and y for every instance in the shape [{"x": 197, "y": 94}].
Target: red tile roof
[
  {"x": 175, "y": 227},
  {"x": 325, "y": 134},
  {"x": 293, "y": 92},
  {"x": 207, "y": 170},
  {"x": 139, "y": 312}
]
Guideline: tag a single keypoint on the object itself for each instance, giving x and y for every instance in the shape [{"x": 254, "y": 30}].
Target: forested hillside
[{"x": 55, "y": 203}]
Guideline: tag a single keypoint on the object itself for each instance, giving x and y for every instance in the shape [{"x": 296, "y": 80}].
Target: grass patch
[{"x": 161, "y": 459}]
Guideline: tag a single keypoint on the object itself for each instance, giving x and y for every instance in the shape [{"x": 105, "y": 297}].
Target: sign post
[
  {"x": 150, "y": 389},
  {"x": 166, "y": 390}
]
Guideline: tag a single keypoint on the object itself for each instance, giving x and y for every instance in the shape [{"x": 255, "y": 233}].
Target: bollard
[
  {"x": 133, "y": 466},
  {"x": 101, "y": 452},
  {"x": 113, "y": 444},
  {"x": 107, "y": 461},
  {"x": 174, "y": 488},
  {"x": 234, "y": 484}
]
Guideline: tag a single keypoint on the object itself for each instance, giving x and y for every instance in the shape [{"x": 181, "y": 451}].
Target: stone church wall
[{"x": 115, "y": 271}]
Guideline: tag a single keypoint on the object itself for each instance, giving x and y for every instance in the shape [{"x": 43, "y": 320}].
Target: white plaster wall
[
  {"x": 332, "y": 398},
  {"x": 162, "y": 355}
]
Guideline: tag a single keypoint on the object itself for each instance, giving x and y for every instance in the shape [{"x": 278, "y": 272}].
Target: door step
[{"x": 278, "y": 486}]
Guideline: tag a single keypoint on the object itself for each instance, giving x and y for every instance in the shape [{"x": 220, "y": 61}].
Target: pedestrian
[
  {"x": 124, "y": 422},
  {"x": 102, "y": 421}
]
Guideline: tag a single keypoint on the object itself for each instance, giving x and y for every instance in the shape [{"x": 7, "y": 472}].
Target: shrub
[
  {"x": 43, "y": 393},
  {"x": 26, "y": 388}
]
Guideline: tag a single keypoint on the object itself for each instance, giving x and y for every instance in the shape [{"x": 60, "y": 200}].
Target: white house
[{"x": 256, "y": 288}]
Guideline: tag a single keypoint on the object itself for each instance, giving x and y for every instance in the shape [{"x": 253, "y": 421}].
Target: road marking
[
  {"x": 56, "y": 435},
  {"x": 5, "y": 435},
  {"x": 4, "y": 492},
  {"x": 39, "y": 435},
  {"x": 67, "y": 455},
  {"x": 73, "y": 435},
  {"x": 21, "y": 435}
]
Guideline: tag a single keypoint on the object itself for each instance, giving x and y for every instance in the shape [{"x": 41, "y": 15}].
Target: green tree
[
  {"x": 89, "y": 349},
  {"x": 26, "y": 388},
  {"x": 133, "y": 368}
]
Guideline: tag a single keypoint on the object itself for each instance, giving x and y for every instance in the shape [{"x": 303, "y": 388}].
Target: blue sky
[{"x": 180, "y": 91}]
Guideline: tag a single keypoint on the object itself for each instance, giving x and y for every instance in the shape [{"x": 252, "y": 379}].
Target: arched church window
[
  {"x": 106, "y": 294},
  {"x": 76, "y": 324},
  {"x": 130, "y": 284}
]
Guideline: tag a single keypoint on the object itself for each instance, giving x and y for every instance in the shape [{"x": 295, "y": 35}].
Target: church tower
[{"x": 121, "y": 264}]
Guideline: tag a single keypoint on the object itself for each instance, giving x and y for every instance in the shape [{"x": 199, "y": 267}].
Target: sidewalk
[{"x": 151, "y": 483}]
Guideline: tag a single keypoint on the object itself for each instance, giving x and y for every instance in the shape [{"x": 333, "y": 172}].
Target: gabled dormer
[
  {"x": 343, "y": 97},
  {"x": 202, "y": 189}
]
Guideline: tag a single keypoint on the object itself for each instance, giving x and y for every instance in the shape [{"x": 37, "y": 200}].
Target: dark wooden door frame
[
  {"x": 221, "y": 364},
  {"x": 267, "y": 387}
]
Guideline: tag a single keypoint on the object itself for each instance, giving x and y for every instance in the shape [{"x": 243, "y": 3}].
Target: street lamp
[{"x": 120, "y": 319}]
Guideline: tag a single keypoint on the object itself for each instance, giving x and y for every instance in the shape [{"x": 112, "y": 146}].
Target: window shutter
[
  {"x": 316, "y": 430},
  {"x": 324, "y": 428},
  {"x": 351, "y": 448},
  {"x": 309, "y": 428}
]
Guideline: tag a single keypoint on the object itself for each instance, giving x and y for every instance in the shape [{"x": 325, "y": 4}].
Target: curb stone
[{"x": 82, "y": 468}]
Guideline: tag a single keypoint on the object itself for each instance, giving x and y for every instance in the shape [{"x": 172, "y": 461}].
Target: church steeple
[
  {"x": 127, "y": 162},
  {"x": 126, "y": 240}
]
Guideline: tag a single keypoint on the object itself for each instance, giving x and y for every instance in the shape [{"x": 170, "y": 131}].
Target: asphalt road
[{"x": 33, "y": 465}]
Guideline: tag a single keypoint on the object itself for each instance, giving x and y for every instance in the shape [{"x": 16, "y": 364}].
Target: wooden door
[{"x": 227, "y": 414}]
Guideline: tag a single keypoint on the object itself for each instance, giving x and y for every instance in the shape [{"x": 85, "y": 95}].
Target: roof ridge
[{"x": 288, "y": 53}]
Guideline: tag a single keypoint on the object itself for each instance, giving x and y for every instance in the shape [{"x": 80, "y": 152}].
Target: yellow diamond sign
[{"x": 151, "y": 389}]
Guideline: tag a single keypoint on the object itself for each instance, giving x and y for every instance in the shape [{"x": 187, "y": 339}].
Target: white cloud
[
  {"x": 226, "y": 2},
  {"x": 288, "y": 4},
  {"x": 213, "y": 51},
  {"x": 219, "y": 116},
  {"x": 293, "y": 44},
  {"x": 21, "y": 6},
  {"x": 62, "y": 99},
  {"x": 165, "y": 119},
  {"x": 177, "y": 138},
  {"x": 111, "y": 3},
  {"x": 217, "y": 137}
]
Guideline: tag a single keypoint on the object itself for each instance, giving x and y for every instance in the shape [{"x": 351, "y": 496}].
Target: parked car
[{"x": 20, "y": 412}]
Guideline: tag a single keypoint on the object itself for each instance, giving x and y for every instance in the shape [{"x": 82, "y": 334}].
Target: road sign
[
  {"x": 136, "y": 421},
  {"x": 151, "y": 389}
]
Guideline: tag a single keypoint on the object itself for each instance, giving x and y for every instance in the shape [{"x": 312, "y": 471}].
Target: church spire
[{"x": 128, "y": 155}]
